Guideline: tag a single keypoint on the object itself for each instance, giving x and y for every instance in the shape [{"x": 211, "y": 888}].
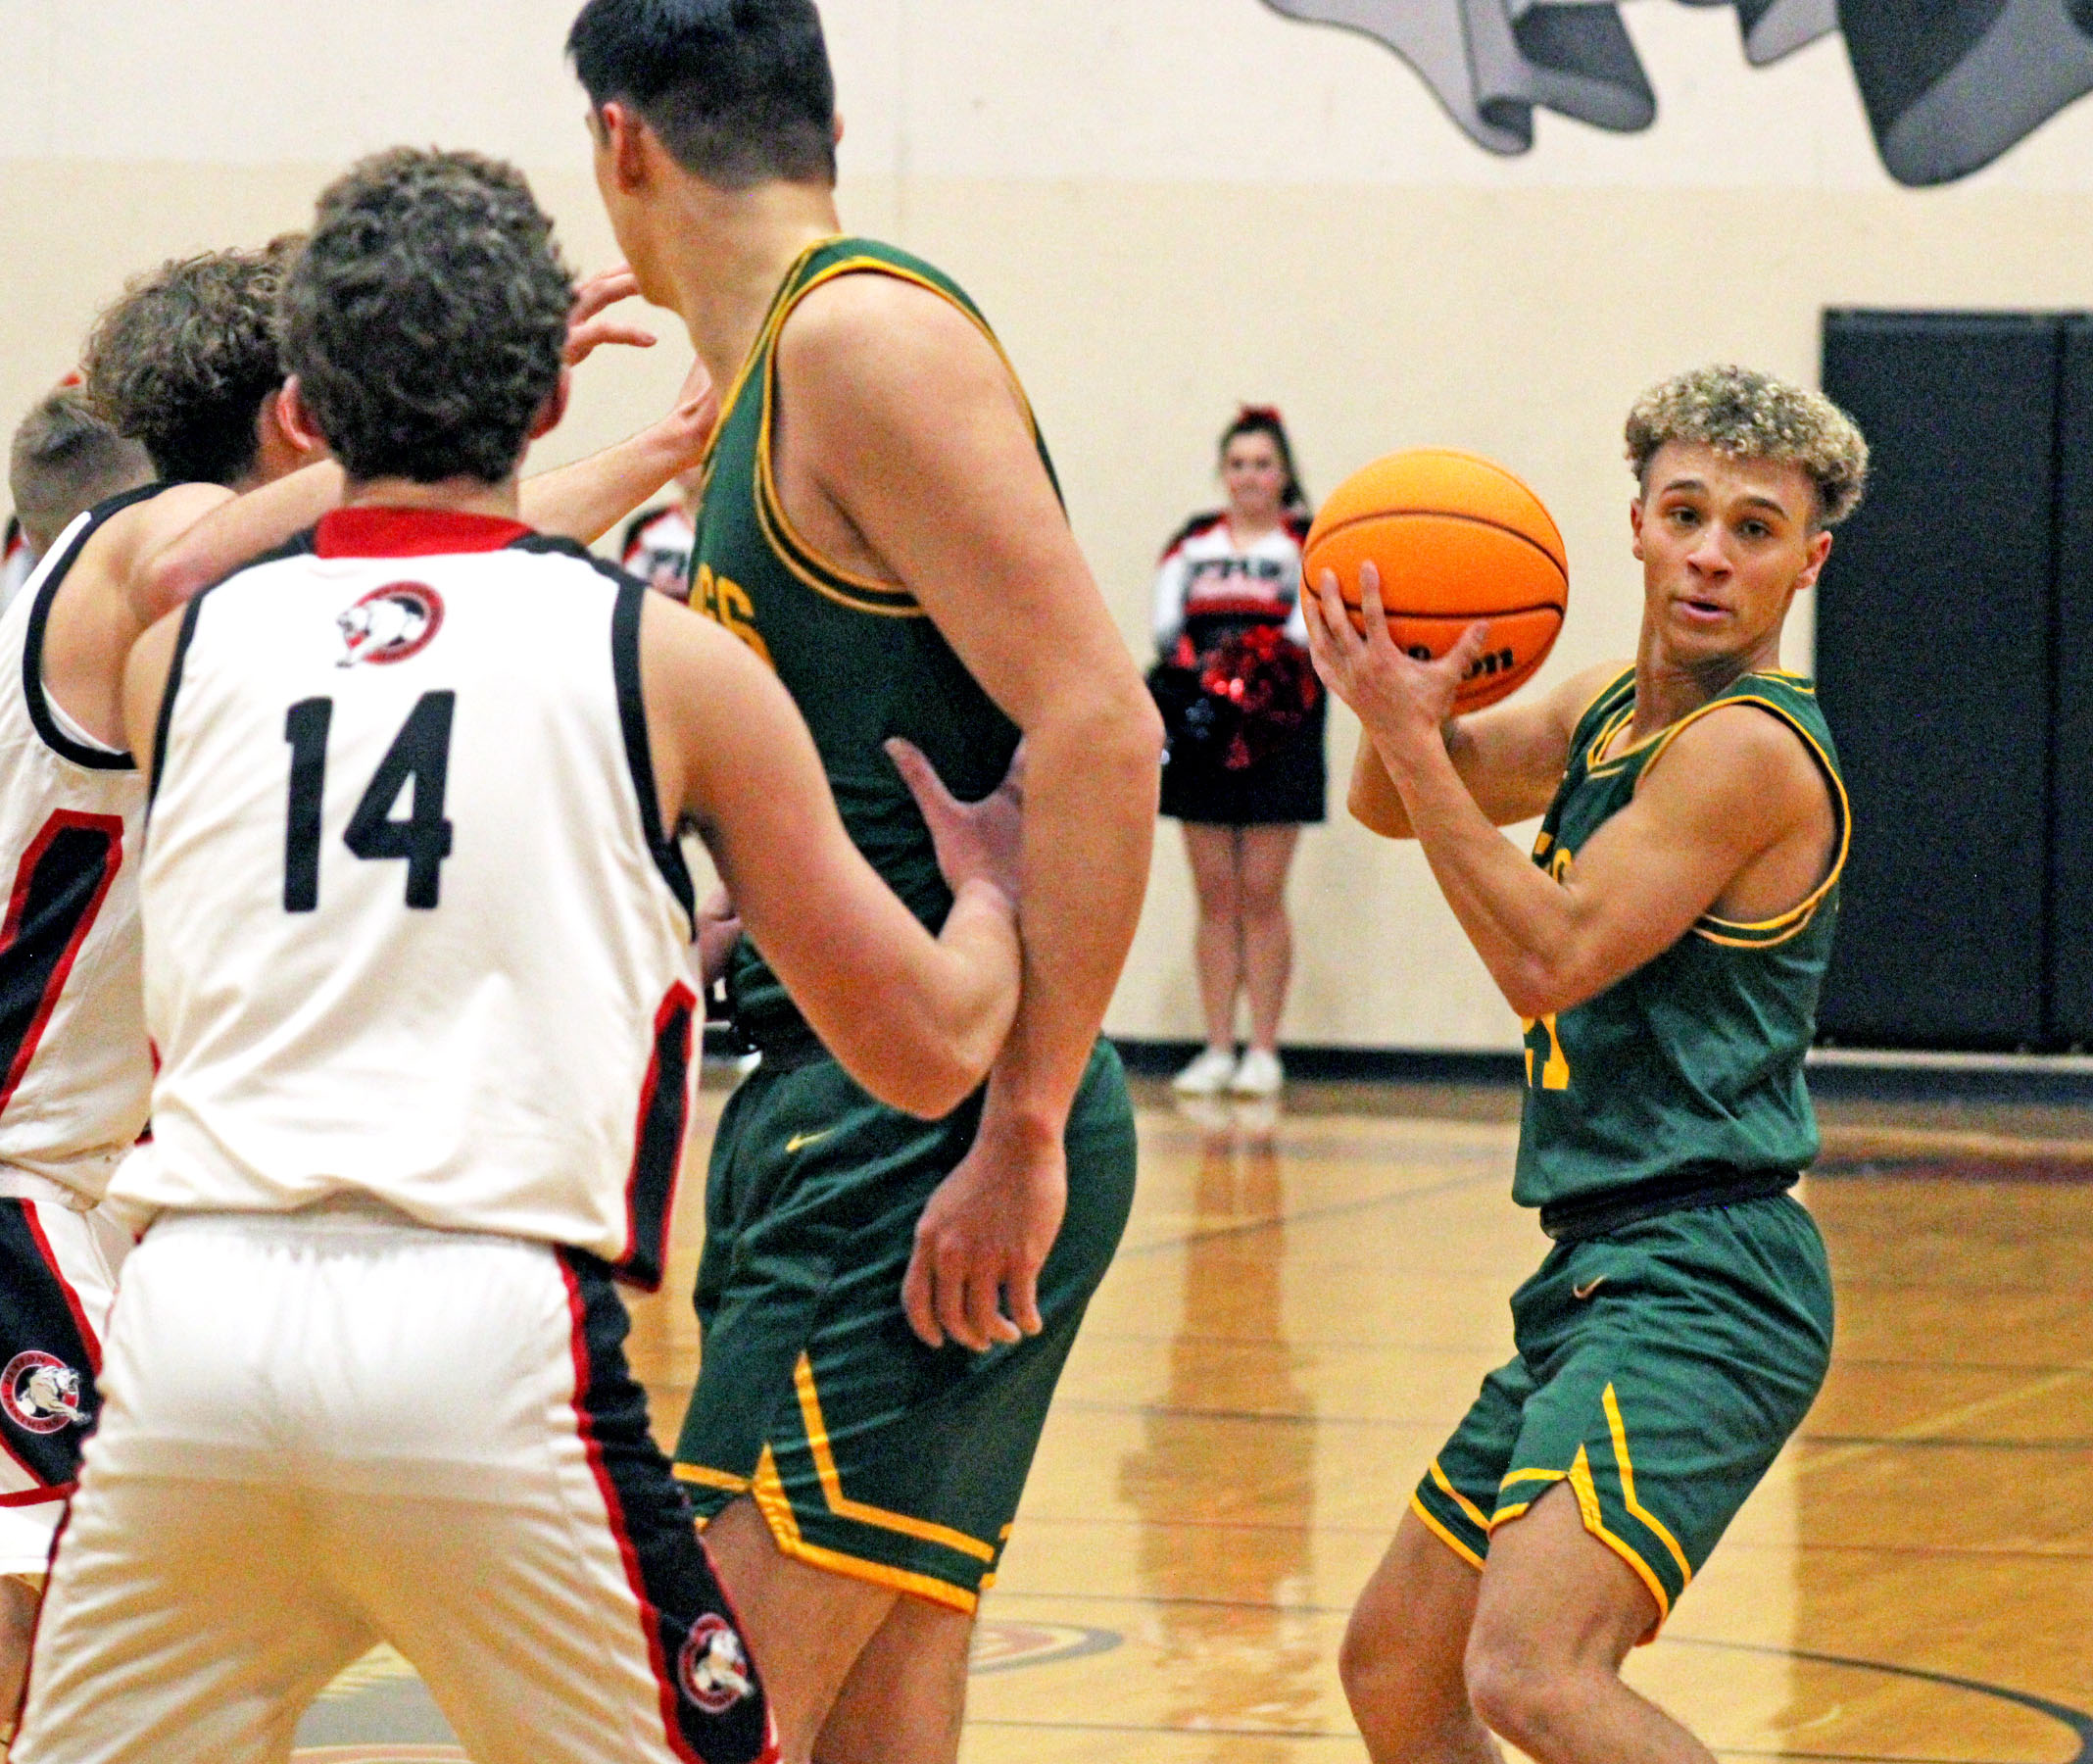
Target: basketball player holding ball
[{"x": 1664, "y": 948}]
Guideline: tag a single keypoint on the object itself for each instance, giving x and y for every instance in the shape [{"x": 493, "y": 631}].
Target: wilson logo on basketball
[
  {"x": 391, "y": 623},
  {"x": 40, "y": 1394},
  {"x": 1489, "y": 663},
  {"x": 713, "y": 1667}
]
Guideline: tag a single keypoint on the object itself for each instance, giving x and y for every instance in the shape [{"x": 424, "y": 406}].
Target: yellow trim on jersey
[
  {"x": 1588, "y": 1506},
  {"x": 1505, "y": 1515},
  {"x": 777, "y": 1507},
  {"x": 1765, "y": 933},
  {"x": 781, "y": 548},
  {"x": 1445, "y": 1537},
  {"x": 705, "y": 1476},
  {"x": 1468, "y": 1507},
  {"x": 860, "y": 593},
  {"x": 1619, "y": 1429},
  {"x": 1598, "y": 761},
  {"x": 1520, "y": 1476},
  {"x": 1745, "y": 934},
  {"x": 840, "y": 1504}
]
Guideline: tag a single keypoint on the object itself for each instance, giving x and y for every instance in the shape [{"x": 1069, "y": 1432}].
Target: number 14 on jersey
[{"x": 419, "y": 759}]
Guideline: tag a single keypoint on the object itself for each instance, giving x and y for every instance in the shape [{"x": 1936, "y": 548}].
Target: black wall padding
[
  {"x": 1934, "y": 640},
  {"x": 2072, "y": 746}
]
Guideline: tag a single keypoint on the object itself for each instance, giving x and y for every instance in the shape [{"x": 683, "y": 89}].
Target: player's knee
[
  {"x": 1517, "y": 1690},
  {"x": 1387, "y": 1680}
]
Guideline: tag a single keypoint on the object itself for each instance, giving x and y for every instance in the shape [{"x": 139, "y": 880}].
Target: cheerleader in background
[{"x": 1243, "y": 771}]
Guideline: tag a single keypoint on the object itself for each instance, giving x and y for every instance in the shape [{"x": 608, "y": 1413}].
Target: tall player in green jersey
[
  {"x": 1665, "y": 946},
  {"x": 886, "y": 1304}
]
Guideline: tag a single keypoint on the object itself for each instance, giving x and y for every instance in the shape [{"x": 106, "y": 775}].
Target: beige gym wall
[{"x": 1166, "y": 208}]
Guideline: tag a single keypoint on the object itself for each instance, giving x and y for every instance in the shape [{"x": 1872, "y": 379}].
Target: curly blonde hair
[{"x": 1753, "y": 416}]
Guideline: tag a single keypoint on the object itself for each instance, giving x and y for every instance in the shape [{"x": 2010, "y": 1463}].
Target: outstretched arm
[
  {"x": 905, "y": 419},
  {"x": 916, "y": 1020},
  {"x": 1734, "y": 809}
]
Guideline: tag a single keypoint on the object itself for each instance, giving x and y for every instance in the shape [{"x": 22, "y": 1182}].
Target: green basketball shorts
[
  {"x": 1660, "y": 1370},
  {"x": 867, "y": 1452}
]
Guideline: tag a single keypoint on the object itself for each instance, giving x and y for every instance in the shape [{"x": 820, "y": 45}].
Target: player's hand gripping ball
[{"x": 1456, "y": 538}]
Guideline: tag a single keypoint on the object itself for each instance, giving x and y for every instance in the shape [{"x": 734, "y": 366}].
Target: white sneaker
[
  {"x": 1208, "y": 1075},
  {"x": 1258, "y": 1075}
]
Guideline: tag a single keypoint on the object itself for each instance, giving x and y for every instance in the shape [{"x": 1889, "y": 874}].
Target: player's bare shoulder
[
  {"x": 884, "y": 348},
  {"x": 884, "y": 318},
  {"x": 1747, "y": 777},
  {"x": 1740, "y": 750}
]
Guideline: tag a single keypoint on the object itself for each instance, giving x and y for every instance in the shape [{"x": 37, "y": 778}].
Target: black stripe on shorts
[
  {"x": 47, "y": 1358},
  {"x": 713, "y": 1702}
]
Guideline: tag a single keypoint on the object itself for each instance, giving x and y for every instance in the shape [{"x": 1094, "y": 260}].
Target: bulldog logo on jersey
[
  {"x": 391, "y": 623},
  {"x": 712, "y": 1667},
  {"x": 40, "y": 1394}
]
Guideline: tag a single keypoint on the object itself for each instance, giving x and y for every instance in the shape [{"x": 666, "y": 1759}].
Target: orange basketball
[{"x": 1456, "y": 538}]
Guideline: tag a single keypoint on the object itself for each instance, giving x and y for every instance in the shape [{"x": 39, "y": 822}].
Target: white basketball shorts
[
  {"x": 58, "y": 1273},
  {"x": 329, "y": 1429}
]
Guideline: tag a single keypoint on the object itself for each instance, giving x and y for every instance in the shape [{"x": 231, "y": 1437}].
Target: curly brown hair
[
  {"x": 184, "y": 359},
  {"x": 426, "y": 316},
  {"x": 1749, "y": 415}
]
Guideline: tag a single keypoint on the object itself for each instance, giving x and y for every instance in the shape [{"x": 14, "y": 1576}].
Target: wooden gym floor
[{"x": 1303, "y": 1307}]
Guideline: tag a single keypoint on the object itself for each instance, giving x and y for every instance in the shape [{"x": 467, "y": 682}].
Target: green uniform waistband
[{"x": 1676, "y": 1191}]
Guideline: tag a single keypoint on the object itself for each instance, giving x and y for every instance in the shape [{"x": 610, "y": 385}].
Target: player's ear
[
  {"x": 622, "y": 132},
  {"x": 1820, "y": 549},
  {"x": 1634, "y": 526},
  {"x": 555, "y": 405},
  {"x": 835, "y": 129},
  {"x": 287, "y": 408}
]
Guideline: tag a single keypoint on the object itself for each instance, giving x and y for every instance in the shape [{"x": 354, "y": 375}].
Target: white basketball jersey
[
  {"x": 76, "y": 1073},
  {"x": 412, "y": 930}
]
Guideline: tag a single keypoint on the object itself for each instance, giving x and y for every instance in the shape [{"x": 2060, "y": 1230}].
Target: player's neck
[
  {"x": 1667, "y": 688},
  {"x": 729, "y": 251},
  {"x": 450, "y": 496}
]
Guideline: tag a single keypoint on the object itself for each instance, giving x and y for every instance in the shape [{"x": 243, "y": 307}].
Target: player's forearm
[
  {"x": 1377, "y": 806},
  {"x": 917, "y": 1021},
  {"x": 984, "y": 964},
  {"x": 231, "y": 535},
  {"x": 1519, "y": 918},
  {"x": 585, "y": 499},
  {"x": 1091, "y": 786}
]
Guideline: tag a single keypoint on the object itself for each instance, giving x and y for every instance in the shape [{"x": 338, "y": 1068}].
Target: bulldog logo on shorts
[
  {"x": 391, "y": 623},
  {"x": 40, "y": 1394},
  {"x": 713, "y": 1667}
]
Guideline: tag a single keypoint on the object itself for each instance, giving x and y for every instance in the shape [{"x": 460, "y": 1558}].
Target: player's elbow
[
  {"x": 1110, "y": 734},
  {"x": 1130, "y": 751},
  {"x": 941, "y": 1071},
  {"x": 1538, "y": 984},
  {"x": 1374, "y": 816},
  {"x": 1125, "y": 739},
  {"x": 927, "y": 1055}
]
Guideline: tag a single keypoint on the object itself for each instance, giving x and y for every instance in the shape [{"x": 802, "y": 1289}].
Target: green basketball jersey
[
  {"x": 1694, "y": 1060},
  {"x": 861, "y": 658}
]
